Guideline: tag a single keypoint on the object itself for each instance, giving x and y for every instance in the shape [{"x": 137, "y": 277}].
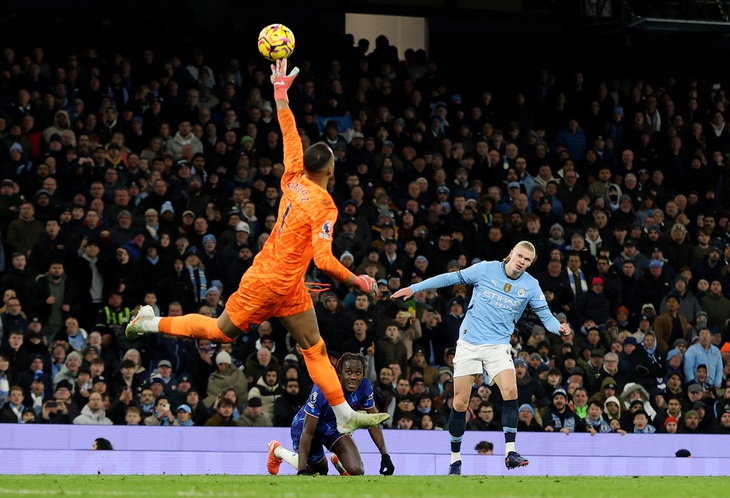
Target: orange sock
[
  {"x": 193, "y": 325},
  {"x": 323, "y": 373}
]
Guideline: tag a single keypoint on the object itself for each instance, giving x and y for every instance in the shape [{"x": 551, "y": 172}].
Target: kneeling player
[{"x": 315, "y": 427}]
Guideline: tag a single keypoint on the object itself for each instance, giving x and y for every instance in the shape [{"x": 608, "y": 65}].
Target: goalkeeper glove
[
  {"x": 365, "y": 284},
  {"x": 280, "y": 80}
]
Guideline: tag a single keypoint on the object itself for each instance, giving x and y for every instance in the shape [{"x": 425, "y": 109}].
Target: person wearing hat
[
  {"x": 630, "y": 252},
  {"x": 418, "y": 359},
  {"x": 594, "y": 303},
  {"x": 272, "y": 286},
  {"x": 214, "y": 301},
  {"x": 559, "y": 417},
  {"x": 527, "y": 421},
  {"x": 349, "y": 240},
  {"x": 691, "y": 423},
  {"x": 689, "y": 305},
  {"x": 184, "y": 416},
  {"x": 225, "y": 376},
  {"x": 488, "y": 320},
  {"x": 716, "y": 305},
  {"x": 657, "y": 282},
  {"x": 709, "y": 265}
]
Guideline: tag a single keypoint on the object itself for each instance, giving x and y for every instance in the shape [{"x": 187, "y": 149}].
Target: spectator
[
  {"x": 641, "y": 423},
  {"x": 527, "y": 421},
  {"x": 703, "y": 353},
  {"x": 93, "y": 413},
  {"x": 253, "y": 415},
  {"x": 717, "y": 306},
  {"x": 268, "y": 390},
  {"x": 162, "y": 414},
  {"x": 24, "y": 232},
  {"x": 200, "y": 412},
  {"x": 55, "y": 297},
  {"x": 288, "y": 404},
  {"x": 559, "y": 417},
  {"x": 670, "y": 325},
  {"x": 226, "y": 376},
  {"x": 594, "y": 420},
  {"x": 184, "y": 416},
  {"x": 594, "y": 303},
  {"x": 12, "y": 412},
  {"x": 484, "y": 421}
]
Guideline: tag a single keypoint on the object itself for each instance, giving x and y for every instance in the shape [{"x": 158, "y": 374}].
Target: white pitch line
[{"x": 191, "y": 493}]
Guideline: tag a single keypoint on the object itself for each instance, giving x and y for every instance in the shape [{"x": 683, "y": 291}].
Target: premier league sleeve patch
[{"x": 326, "y": 233}]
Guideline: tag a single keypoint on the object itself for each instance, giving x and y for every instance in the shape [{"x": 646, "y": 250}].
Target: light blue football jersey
[{"x": 497, "y": 301}]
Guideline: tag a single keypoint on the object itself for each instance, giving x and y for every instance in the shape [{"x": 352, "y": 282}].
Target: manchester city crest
[
  {"x": 507, "y": 287},
  {"x": 521, "y": 293}
]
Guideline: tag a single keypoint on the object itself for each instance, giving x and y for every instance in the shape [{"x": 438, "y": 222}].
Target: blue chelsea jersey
[{"x": 317, "y": 406}]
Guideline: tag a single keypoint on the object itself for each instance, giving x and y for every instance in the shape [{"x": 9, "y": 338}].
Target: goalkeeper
[{"x": 274, "y": 285}]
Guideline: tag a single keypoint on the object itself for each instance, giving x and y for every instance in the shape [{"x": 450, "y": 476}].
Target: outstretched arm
[
  {"x": 443, "y": 280},
  {"x": 293, "y": 150}
]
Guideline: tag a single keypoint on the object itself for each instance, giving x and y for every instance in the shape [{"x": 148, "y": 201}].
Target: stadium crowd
[{"x": 129, "y": 179}]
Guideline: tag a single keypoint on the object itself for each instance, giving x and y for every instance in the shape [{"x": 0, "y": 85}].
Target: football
[{"x": 276, "y": 41}]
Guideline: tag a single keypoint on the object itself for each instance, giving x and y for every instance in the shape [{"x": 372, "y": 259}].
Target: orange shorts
[{"x": 253, "y": 303}]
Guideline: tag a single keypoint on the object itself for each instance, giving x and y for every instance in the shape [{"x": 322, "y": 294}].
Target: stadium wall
[{"x": 59, "y": 449}]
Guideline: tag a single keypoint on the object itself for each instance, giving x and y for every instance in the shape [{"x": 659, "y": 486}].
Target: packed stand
[{"x": 131, "y": 180}]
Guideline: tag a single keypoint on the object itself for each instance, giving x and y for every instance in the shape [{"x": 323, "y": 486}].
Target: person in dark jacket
[
  {"x": 527, "y": 422},
  {"x": 288, "y": 404},
  {"x": 637, "y": 365},
  {"x": 55, "y": 298},
  {"x": 594, "y": 303}
]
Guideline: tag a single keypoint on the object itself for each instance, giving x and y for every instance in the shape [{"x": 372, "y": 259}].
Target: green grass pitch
[{"x": 359, "y": 487}]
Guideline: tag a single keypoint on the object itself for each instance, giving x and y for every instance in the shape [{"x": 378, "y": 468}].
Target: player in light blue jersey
[
  {"x": 315, "y": 427},
  {"x": 502, "y": 291}
]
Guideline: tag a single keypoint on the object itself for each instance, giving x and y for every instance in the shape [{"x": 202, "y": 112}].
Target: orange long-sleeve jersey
[{"x": 304, "y": 225}]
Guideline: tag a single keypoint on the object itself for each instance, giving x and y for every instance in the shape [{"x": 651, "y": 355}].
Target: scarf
[
  {"x": 198, "y": 282},
  {"x": 583, "y": 283},
  {"x": 594, "y": 245},
  {"x": 18, "y": 412},
  {"x": 37, "y": 403}
]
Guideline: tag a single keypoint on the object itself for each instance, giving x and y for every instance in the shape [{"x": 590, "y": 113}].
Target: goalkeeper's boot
[
  {"x": 361, "y": 420},
  {"x": 134, "y": 328}
]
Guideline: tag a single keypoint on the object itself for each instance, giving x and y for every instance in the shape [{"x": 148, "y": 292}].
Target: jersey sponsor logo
[
  {"x": 326, "y": 231},
  {"x": 542, "y": 297},
  {"x": 494, "y": 282},
  {"x": 501, "y": 301},
  {"x": 507, "y": 287},
  {"x": 521, "y": 293}
]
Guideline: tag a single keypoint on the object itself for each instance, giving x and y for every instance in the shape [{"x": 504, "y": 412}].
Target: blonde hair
[{"x": 525, "y": 244}]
